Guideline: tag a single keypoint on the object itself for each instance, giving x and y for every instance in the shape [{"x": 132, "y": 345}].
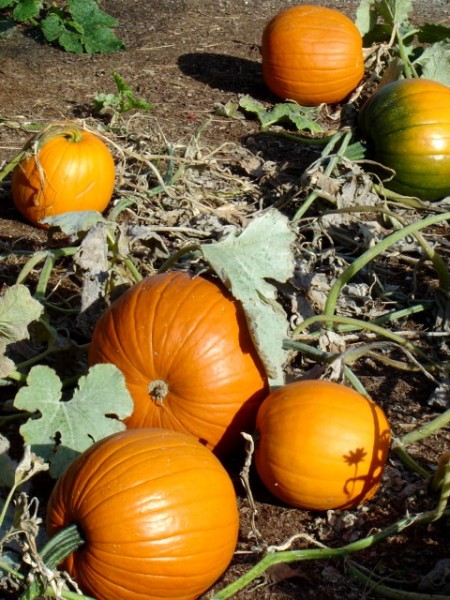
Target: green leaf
[
  {"x": 303, "y": 117},
  {"x": 7, "y": 3},
  {"x": 17, "y": 310},
  {"x": 52, "y": 27},
  {"x": 71, "y": 42},
  {"x": 101, "y": 39},
  {"x": 121, "y": 102},
  {"x": 89, "y": 14},
  {"x": 435, "y": 62},
  {"x": 392, "y": 12},
  {"x": 245, "y": 263},
  {"x": 63, "y": 429},
  {"x": 366, "y": 18},
  {"x": 7, "y": 465},
  {"x": 429, "y": 33},
  {"x": 74, "y": 222},
  {"x": 27, "y": 9}
]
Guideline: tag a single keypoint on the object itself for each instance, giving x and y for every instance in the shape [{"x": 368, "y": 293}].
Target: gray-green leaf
[
  {"x": 17, "y": 310},
  {"x": 435, "y": 62},
  {"x": 63, "y": 429},
  {"x": 245, "y": 263}
]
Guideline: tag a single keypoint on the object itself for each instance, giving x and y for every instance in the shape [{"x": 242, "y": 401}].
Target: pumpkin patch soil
[{"x": 187, "y": 56}]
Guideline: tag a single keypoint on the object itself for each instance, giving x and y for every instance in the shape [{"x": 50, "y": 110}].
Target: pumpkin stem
[
  {"x": 61, "y": 545},
  {"x": 158, "y": 390}
]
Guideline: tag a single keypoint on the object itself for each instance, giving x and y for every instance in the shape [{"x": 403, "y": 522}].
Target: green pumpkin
[{"x": 407, "y": 126}]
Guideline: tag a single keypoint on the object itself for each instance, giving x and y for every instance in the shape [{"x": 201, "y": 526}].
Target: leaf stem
[
  {"x": 371, "y": 253},
  {"x": 272, "y": 559},
  {"x": 388, "y": 592},
  {"x": 341, "y": 136}
]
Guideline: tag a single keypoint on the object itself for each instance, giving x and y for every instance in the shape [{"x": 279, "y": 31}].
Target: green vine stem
[
  {"x": 371, "y": 253},
  {"x": 52, "y": 554},
  {"x": 272, "y": 559},
  {"x": 416, "y": 435},
  {"x": 344, "y": 138},
  {"x": 37, "y": 257},
  {"x": 426, "y": 430},
  {"x": 438, "y": 263},
  {"x": 388, "y": 592},
  {"x": 381, "y": 331},
  {"x": 173, "y": 258}
]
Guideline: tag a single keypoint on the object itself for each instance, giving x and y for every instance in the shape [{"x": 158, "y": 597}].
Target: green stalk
[
  {"x": 438, "y": 263},
  {"x": 341, "y": 135},
  {"x": 388, "y": 592},
  {"x": 37, "y": 257},
  {"x": 44, "y": 277},
  {"x": 288, "y": 556},
  {"x": 13, "y": 163},
  {"x": 426, "y": 430},
  {"x": 52, "y": 554},
  {"x": 381, "y": 331},
  {"x": 371, "y": 253},
  {"x": 409, "y": 461},
  {"x": 176, "y": 255}
]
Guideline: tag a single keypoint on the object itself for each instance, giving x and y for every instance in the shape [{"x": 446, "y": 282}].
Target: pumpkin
[
  {"x": 312, "y": 54},
  {"x": 157, "y": 512},
  {"x": 65, "y": 168},
  {"x": 189, "y": 362},
  {"x": 320, "y": 445},
  {"x": 407, "y": 125}
]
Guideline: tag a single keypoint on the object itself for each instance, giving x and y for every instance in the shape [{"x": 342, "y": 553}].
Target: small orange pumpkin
[
  {"x": 321, "y": 445},
  {"x": 157, "y": 512},
  {"x": 65, "y": 169},
  {"x": 189, "y": 362},
  {"x": 312, "y": 54}
]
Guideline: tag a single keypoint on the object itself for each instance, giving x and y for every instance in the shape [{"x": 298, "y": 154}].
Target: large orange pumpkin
[
  {"x": 312, "y": 54},
  {"x": 65, "y": 169},
  {"x": 157, "y": 512},
  {"x": 321, "y": 445},
  {"x": 185, "y": 350}
]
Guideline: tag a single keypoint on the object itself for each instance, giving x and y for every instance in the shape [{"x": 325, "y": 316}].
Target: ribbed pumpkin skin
[
  {"x": 190, "y": 334},
  {"x": 158, "y": 514},
  {"x": 321, "y": 445},
  {"x": 73, "y": 170},
  {"x": 312, "y": 55},
  {"x": 407, "y": 124}
]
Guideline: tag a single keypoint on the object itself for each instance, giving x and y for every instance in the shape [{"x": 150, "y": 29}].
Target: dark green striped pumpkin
[{"x": 407, "y": 126}]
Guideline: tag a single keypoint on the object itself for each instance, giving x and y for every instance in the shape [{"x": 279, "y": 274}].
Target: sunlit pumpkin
[
  {"x": 185, "y": 350},
  {"x": 312, "y": 54},
  {"x": 407, "y": 125},
  {"x": 65, "y": 168},
  {"x": 157, "y": 512},
  {"x": 321, "y": 445}
]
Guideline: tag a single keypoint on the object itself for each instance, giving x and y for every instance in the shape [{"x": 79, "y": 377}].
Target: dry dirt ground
[{"x": 184, "y": 57}]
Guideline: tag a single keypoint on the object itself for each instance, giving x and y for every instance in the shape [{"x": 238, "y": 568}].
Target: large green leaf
[
  {"x": 17, "y": 310},
  {"x": 246, "y": 263},
  {"x": 435, "y": 62},
  {"x": 61, "y": 429}
]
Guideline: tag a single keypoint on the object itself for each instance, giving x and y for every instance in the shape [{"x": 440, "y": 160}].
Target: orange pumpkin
[
  {"x": 312, "y": 54},
  {"x": 321, "y": 445},
  {"x": 157, "y": 512},
  {"x": 189, "y": 362},
  {"x": 65, "y": 169}
]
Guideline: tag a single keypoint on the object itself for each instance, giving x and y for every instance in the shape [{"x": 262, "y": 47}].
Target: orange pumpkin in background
[
  {"x": 312, "y": 54},
  {"x": 184, "y": 347},
  {"x": 320, "y": 445},
  {"x": 157, "y": 512},
  {"x": 65, "y": 168}
]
